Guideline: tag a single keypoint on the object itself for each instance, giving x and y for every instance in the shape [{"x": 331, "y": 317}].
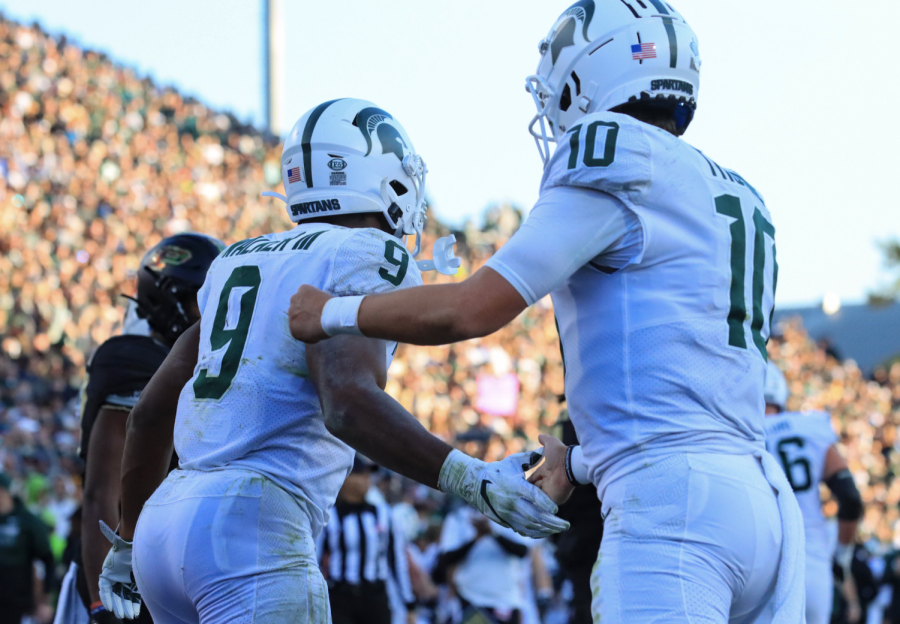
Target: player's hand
[
  {"x": 305, "y": 314},
  {"x": 550, "y": 475},
  {"x": 118, "y": 591},
  {"x": 854, "y": 612},
  {"x": 44, "y": 613},
  {"x": 499, "y": 491}
]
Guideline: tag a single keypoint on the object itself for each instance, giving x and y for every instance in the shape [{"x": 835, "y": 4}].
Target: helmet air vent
[
  {"x": 565, "y": 100},
  {"x": 398, "y": 188}
]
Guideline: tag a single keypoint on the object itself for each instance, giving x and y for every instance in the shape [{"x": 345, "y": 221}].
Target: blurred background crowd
[{"x": 98, "y": 164}]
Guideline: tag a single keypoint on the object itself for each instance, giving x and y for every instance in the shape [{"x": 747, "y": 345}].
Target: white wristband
[
  {"x": 339, "y": 316},
  {"x": 579, "y": 468}
]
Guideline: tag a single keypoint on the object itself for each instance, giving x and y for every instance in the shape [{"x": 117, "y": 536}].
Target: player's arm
[
  {"x": 567, "y": 228},
  {"x": 425, "y": 315},
  {"x": 836, "y": 475},
  {"x": 350, "y": 373},
  {"x": 150, "y": 430},
  {"x": 101, "y": 491}
]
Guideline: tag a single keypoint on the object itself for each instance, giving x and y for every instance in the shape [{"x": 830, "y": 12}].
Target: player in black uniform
[{"x": 168, "y": 280}]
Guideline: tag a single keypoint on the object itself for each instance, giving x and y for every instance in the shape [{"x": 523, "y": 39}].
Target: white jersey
[
  {"x": 250, "y": 403},
  {"x": 664, "y": 340},
  {"x": 800, "y": 443}
]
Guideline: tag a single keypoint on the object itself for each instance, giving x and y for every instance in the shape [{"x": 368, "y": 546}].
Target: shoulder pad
[
  {"x": 823, "y": 422},
  {"x": 370, "y": 261},
  {"x": 123, "y": 365},
  {"x": 126, "y": 349},
  {"x": 605, "y": 151}
]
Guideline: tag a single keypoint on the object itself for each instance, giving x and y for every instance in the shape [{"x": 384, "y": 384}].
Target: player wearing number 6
[
  {"x": 265, "y": 426},
  {"x": 661, "y": 265},
  {"x": 806, "y": 446}
]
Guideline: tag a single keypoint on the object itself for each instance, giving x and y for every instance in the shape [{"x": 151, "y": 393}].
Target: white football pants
[
  {"x": 691, "y": 538},
  {"x": 819, "y": 591},
  {"x": 227, "y": 547}
]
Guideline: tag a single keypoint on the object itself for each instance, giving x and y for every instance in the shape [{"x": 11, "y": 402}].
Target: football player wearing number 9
[
  {"x": 806, "y": 446},
  {"x": 661, "y": 265},
  {"x": 264, "y": 426}
]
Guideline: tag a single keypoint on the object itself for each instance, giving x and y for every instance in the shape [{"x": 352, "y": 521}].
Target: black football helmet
[{"x": 168, "y": 280}]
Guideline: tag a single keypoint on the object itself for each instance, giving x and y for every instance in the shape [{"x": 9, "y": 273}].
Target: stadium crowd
[{"x": 98, "y": 164}]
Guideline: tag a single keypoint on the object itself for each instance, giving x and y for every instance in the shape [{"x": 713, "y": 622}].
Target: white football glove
[
  {"x": 499, "y": 491},
  {"x": 118, "y": 591}
]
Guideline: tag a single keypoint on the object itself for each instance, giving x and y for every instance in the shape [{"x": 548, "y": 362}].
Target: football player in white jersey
[
  {"x": 265, "y": 426},
  {"x": 805, "y": 444},
  {"x": 661, "y": 266}
]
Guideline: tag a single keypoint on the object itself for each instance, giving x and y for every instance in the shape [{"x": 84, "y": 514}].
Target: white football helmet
[
  {"x": 604, "y": 53},
  {"x": 775, "y": 389},
  {"x": 349, "y": 156}
]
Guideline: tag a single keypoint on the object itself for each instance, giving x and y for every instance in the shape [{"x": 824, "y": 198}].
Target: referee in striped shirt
[{"x": 359, "y": 548}]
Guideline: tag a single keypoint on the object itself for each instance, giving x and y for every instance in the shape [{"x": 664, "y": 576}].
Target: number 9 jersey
[
  {"x": 666, "y": 353},
  {"x": 251, "y": 404}
]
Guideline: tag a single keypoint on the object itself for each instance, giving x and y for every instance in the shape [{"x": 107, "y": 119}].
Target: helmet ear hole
[
  {"x": 399, "y": 188},
  {"x": 395, "y": 213},
  {"x": 565, "y": 100}
]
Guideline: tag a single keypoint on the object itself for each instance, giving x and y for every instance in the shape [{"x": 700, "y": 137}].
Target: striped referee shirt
[{"x": 362, "y": 545}]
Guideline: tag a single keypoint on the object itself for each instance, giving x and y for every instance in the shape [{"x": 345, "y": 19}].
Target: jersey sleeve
[
  {"x": 116, "y": 374},
  {"x": 825, "y": 430},
  {"x": 120, "y": 369},
  {"x": 606, "y": 152},
  {"x": 203, "y": 293},
  {"x": 370, "y": 261},
  {"x": 567, "y": 229}
]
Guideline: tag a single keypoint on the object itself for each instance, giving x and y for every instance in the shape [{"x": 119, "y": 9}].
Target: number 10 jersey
[
  {"x": 668, "y": 353},
  {"x": 251, "y": 404}
]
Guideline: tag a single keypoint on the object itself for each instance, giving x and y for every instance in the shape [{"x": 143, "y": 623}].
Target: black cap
[
  {"x": 476, "y": 434},
  {"x": 363, "y": 464}
]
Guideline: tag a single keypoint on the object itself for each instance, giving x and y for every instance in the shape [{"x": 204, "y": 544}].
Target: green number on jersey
[
  {"x": 390, "y": 254},
  {"x": 228, "y": 332},
  {"x": 590, "y": 159},
  {"x": 805, "y": 482},
  {"x": 730, "y": 206}
]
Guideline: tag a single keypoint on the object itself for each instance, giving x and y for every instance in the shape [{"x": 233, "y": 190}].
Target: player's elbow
[
  {"x": 95, "y": 498},
  {"x": 851, "y": 508},
  {"x": 344, "y": 409},
  {"x": 485, "y": 304},
  {"x": 139, "y": 419},
  {"x": 850, "y": 504},
  {"x": 465, "y": 326},
  {"x": 471, "y": 319}
]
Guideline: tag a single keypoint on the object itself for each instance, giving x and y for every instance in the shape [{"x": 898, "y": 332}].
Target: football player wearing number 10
[
  {"x": 265, "y": 427},
  {"x": 661, "y": 266}
]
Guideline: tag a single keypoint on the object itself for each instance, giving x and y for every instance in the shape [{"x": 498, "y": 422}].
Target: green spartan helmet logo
[
  {"x": 564, "y": 36},
  {"x": 372, "y": 119}
]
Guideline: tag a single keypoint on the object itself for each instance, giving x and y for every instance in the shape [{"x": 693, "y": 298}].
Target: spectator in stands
[
  {"x": 23, "y": 542},
  {"x": 98, "y": 163}
]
